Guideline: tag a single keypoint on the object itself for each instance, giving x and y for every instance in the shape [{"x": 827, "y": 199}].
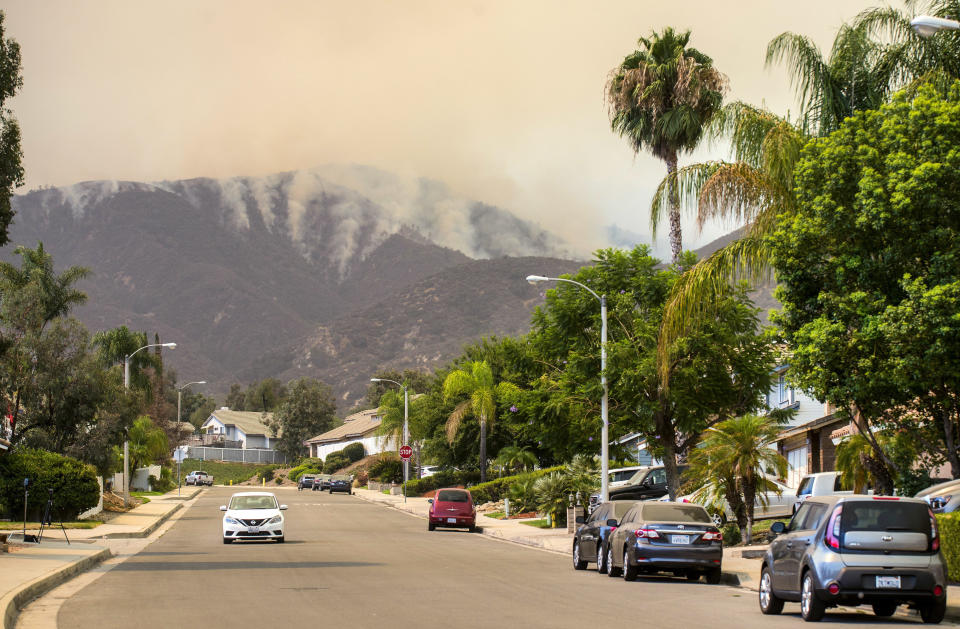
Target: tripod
[{"x": 48, "y": 519}]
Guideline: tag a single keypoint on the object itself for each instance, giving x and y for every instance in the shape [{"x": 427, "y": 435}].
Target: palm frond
[
  {"x": 456, "y": 417},
  {"x": 809, "y": 73},
  {"x": 684, "y": 184}
]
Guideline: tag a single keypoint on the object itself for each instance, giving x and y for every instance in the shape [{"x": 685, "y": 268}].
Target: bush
[
  {"x": 266, "y": 474},
  {"x": 74, "y": 484},
  {"x": 306, "y": 466},
  {"x": 387, "y": 469},
  {"x": 165, "y": 482},
  {"x": 731, "y": 534},
  {"x": 494, "y": 490},
  {"x": 949, "y": 525},
  {"x": 335, "y": 462},
  {"x": 443, "y": 478},
  {"x": 354, "y": 452}
]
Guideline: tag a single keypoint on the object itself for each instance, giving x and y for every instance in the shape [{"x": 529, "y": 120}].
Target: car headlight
[
  {"x": 277, "y": 519},
  {"x": 230, "y": 520}
]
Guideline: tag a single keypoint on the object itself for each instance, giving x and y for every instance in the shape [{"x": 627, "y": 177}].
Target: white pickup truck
[
  {"x": 820, "y": 484},
  {"x": 199, "y": 478}
]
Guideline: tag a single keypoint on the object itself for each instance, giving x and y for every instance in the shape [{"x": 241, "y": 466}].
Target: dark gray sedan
[{"x": 665, "y": 537}]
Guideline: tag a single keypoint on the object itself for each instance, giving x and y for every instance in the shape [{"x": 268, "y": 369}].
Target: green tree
[
  {"x": 475, "y": 382},
  {"x": 264, "y": 396},
  {"x": 737, "y": 457},
  {"x": 307, "y": 411},
  {"x": 868, "y": 265},
  {"x": 148, "y": 443},
  {"x": 236, "y": 398},
  {"x": 660, "y": 98},
  {"x": 517, "y": 459},
  {"x": 11, "y": 169},
  {"x": 202, "y": 411}
]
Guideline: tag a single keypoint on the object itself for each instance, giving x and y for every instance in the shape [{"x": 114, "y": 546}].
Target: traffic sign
[
  {"x": 179, "y": 455},
  {"x": 406, "y": 452}
]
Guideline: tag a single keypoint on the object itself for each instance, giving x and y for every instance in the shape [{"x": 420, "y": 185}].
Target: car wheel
[
  {"x": 431, "y": 526},
  {"x": 629, "y": 572},
  {"x": 770, "y": 603},
  {"x": 713, "y": 575},
  {"x": 601, "y": 560},
  {"x": 719, "y": 518},
  {"x": 472, "y": 528},
  {"x": 932, "y": 613},
  {"x": 693, "y": 575},
  {"x": 811, "y": 607},
  {"x": 227, "y": 540},
  {"x": 612, "y": 570},
  {"x": 281, "y": 539},
  {"x": 884, "y": 608},
  {"x": 578, "y": 563}
]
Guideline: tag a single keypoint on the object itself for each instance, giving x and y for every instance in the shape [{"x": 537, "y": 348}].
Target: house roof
[
  {"x": 811, "y": 425},
  {"x": 354, "y": 426},
  {"x": 250, "y": 422}
]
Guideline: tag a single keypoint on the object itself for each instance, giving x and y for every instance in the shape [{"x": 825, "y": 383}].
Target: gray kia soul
[{"x": 856, "y": 550}]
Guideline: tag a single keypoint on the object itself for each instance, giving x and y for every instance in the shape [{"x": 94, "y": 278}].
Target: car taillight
[
  {"x": 938, "y": 590},
  {"x": 712, "y": 536},
  {"x": 833, "y": 588},
  {"x": 934, "y": 532},
  {"x": 648, "y": 533},
  {"x": 833, "y": 529},
  {"x": 886, "y": 497}
]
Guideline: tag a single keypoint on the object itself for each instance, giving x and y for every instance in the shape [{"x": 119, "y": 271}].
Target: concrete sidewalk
[{"x": 30, "y": 570}]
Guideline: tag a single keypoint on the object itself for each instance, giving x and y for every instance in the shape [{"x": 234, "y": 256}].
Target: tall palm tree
[
  {"x": 476, "y": 382},
  {"x": 660, "y": 97},
  {"x": 738, "y": 451}
]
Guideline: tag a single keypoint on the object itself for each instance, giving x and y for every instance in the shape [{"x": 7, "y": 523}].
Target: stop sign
[{"x": 406, "y": 452}]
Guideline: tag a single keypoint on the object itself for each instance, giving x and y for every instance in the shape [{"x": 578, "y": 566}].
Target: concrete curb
[
  {"x": 146, "y": 531},
  {"x": 15, "y": 600},
  {"x": 184, "y": 495}
]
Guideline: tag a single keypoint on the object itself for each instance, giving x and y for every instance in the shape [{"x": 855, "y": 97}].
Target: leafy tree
[
  {"x": 517, "y": 459},
  {"x": 148, "y": 443},
  {"x": 737, "y": 457},
  {"x": 264, "y": 396},
  {"x": 11, "y": 169},
  {"x": 414, "y": 379},
  {"x": 307, "y": 411},
  {"x": 236, "y": 398},
  {"x": 660, "y": 97},
  {"x": 202, "y": 411},
  {"x": 868, "y": 264},
  {"x": 476, "y": 382},
  {"x": 716, "y": 372}
]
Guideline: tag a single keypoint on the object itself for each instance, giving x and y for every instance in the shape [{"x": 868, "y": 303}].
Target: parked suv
[{"x": 856, "y": 550}]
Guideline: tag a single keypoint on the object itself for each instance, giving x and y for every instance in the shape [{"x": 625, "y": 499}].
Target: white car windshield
[{"x": 253, "y": 502}]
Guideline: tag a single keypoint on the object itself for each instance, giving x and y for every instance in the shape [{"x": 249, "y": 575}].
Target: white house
[
  {"x": 357, "y": 428},
  {"x": 243, "y": 426}
]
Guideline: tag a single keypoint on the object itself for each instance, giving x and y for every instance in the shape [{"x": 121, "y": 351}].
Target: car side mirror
[
  {"x": 612, "y": 522},
  {"x": 580, "y": 519},
  {"x": 777, "y": 528},
  {"x": 223, "y": 507},
  {"x": 430, "y": 500},
  {"x": 283, "y": 507}
]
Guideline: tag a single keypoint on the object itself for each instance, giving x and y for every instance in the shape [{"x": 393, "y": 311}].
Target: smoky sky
[{"x": 501, "y": 100}]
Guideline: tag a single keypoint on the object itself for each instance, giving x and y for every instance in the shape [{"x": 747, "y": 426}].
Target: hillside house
[
  {"x": 357, "y": 428},
  {"x": 245, "y": 428}
]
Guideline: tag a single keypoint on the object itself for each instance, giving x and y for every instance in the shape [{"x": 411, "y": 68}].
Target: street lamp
[
  {"x": 604, "y": 416},
  {"x": 927, "y": 25},
  {"x": 126, "y": 442},
  {"x": 406, "y": 462},
  {"x": 179, "y": 392}
]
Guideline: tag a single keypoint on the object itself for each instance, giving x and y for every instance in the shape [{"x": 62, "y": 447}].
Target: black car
[
  {"x": 589, "y": 542},
  {"x": 344, "y": 484},
  {"x": 646, "y": 484}
]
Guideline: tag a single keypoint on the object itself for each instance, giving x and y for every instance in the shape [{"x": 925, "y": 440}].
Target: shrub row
[
  {"x": 949, "y": 525},
  {"x": 306, "y": 466},
  {"x": 74, "y": 484},
  {"x": 443, "y": 478},
  {"x": 494, "y": 490}
]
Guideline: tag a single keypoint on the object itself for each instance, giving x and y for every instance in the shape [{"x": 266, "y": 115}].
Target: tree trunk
[
  {"x": 676, "y": 235},
  {"x": 949, "y": 440},
  {"x": 749, "y": 502},
  {"x": 669, "y": 443},
  {"x": 483, "y": 449}
]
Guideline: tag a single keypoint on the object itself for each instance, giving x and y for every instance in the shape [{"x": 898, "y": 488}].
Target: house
[
  {"x": 633, "y": 446},
  {"x": 246, "y": 428},
  {"x": 809, "y": 441},
  {"x": 357, "y": 428}
]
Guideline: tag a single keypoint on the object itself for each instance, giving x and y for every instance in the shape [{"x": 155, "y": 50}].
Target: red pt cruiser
[{"x": 452, "y": 508}]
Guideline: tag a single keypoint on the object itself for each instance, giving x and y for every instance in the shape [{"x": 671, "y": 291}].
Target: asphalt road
[{"x": 352, "y": 564}]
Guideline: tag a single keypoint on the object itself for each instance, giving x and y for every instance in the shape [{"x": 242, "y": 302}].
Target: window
[
  {"x": 799, "y": 516},
  {"x": 658, "y": 477},
  {"x": 814, "y": 516},
  {"x": 600, "y": 515},
  {"x": 666, "y": 512},
  {"x": 781, "y": 394}
]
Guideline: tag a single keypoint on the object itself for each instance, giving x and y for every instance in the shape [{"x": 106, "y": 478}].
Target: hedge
[
  {"x": 306, "y": 466},
  {"x": 74, "y": 484},
  {"x": 443, "y": 478},
  {"x": 494, "y": 490},
  {"x": 949, "y": 525}
]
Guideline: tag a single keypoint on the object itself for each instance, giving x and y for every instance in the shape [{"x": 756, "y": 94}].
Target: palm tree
[
  {"x": 660, "y": 98},
  {"x": 391, "y": 425},
  {"x": 738, "y": 452},
  {"x": 475, "y": 381},
  {"x": 148, "y": 442},
  {"x": 516, "y": 459}
]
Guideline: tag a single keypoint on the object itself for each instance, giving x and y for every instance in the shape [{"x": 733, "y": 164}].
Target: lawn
[
  {"x": 223, "y": 471},
  {"x": 542, "y": 523},
  {"x": 80, "y": 524}
]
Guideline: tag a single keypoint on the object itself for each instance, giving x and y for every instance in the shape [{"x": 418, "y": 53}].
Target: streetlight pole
[
  {"x": 927, "y": 25},
  {"x": 126, "y": 441},
  {"x": 604, "y": 409},
  {"x": 406, "y": 430}
]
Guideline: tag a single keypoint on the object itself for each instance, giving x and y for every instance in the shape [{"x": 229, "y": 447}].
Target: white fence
[{"x": 236, "y": 455}]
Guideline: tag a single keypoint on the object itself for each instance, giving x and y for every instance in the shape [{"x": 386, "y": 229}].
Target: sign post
[
  {"x": 178, "y": 456},
  {"x": 405, "y": 453}
]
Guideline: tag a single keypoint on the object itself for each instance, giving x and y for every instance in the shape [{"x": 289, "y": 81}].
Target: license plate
[
  {"x": 679, "y": 539},
  {"x": 892, "y": 583},
  {"x": 253, "y": 529},
  {"x": 451, "y": 520}
]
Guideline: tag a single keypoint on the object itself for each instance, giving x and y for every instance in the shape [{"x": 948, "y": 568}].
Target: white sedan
[
  {"x": 773, "y": 506},
  {"x": 253, "y": 515}
]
